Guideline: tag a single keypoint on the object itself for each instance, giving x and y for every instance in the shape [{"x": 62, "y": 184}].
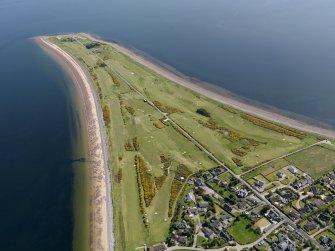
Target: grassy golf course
[{"x": 150, "y": 159}]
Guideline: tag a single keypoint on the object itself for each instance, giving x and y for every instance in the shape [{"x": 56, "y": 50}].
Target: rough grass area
[
  {"x": 316, "y": 161},
  {"x": 241, "y": 230}
]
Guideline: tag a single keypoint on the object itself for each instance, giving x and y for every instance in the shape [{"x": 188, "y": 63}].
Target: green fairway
[{"x": 136, "y": 128}]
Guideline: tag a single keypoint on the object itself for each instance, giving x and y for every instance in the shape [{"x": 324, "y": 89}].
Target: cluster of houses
[
  {"x": 284, "y": 244},
  {"x": 310, "y": 204},
  {"x": 300, "y": 181},
  {"x": 305, "y": 201},
  {"x": 285, "y": 238},
  {"x": 209, "y": 189}
]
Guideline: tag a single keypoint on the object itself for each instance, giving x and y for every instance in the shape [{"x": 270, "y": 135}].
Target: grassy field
[
  {"x": 136, "y": 128},
  {"x": 200, "y": 241},
  {"x": 241, "y": 230},
  {"x": 316, "y": 161}
]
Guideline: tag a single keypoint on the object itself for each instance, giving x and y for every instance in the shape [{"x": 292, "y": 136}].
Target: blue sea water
[{"x": 280, "y": 53}]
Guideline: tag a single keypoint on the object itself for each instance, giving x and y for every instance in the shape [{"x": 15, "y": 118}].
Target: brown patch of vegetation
[
  {"x": 140, "y": 193},
  {"x": 239, "y": 151},
  {"x": 106, "y": 115},
  {"x": 246, "y": 143},
  {"x": 166, "y": 163},
  {"x": 146, "y": 180},
  {"x": 159, "y": 181},
  {"x": 211, "y": 124},
  {"x": 116, "y": 80},
  {"x": 237, "y": 161},
  {"x": 166, "y": 109},
  {"x": 227, "y": 108},
  {"x": 274, "y": 127},
  {"x": 136, "y": 145},
  {"x": 158, "y": 125},
  {"x": 94, "y": 77},
  {"x": 130, "y": 109},
  {"x": 179, "y": 180},
  {"x": 118, "y": 176},
  {"x": 128, "y": 147},
  {"x": 164, "y": 121}
]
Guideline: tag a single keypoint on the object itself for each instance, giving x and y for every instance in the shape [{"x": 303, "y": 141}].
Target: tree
[
  {"x": 264, "y": 209},
  {"x": 203, "y": 112}
]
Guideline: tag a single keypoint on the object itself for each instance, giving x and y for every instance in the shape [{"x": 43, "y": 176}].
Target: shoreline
[
  {"x": 101, "y": 219},
  {"x": 221, "y": 95}
]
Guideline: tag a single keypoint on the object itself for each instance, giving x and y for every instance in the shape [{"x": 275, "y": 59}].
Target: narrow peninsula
[{"x": 178, "y": 166}]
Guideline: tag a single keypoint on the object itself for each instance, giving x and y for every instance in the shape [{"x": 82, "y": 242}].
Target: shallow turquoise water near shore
[{"x": 276, "y": 52}]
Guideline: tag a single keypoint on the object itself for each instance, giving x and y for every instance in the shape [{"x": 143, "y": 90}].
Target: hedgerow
[
  {"x": 140, "y": 193},
  {"x": 136, "y": 145},
  {"x": 274, "y": 127},
  {"x": 166, "y": 109}
]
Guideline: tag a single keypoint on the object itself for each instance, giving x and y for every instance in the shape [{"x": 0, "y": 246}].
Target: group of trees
[{"x": 203, "y": 112}]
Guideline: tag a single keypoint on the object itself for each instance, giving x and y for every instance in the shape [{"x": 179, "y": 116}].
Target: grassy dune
[{"x": 227, "y": 134}]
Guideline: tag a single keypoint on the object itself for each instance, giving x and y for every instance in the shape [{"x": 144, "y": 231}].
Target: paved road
[{"x": 200, "y": 146}]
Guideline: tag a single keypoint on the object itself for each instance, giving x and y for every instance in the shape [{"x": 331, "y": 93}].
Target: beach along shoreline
[
  {"x": 218, "y": 94},
  {"x": 101, "y": 220}
]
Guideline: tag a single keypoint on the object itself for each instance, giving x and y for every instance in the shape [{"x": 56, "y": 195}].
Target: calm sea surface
[{"x": 281, "y": 53}]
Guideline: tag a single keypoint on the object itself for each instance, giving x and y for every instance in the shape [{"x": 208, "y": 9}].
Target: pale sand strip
[
  {"x": 219, "y": 95},
  {"x": 101, "y": 210}
]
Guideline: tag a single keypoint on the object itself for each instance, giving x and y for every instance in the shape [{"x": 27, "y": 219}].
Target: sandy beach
[
  {"x": 101, "y": 221},
  {"x": 219, "y": 96}
]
